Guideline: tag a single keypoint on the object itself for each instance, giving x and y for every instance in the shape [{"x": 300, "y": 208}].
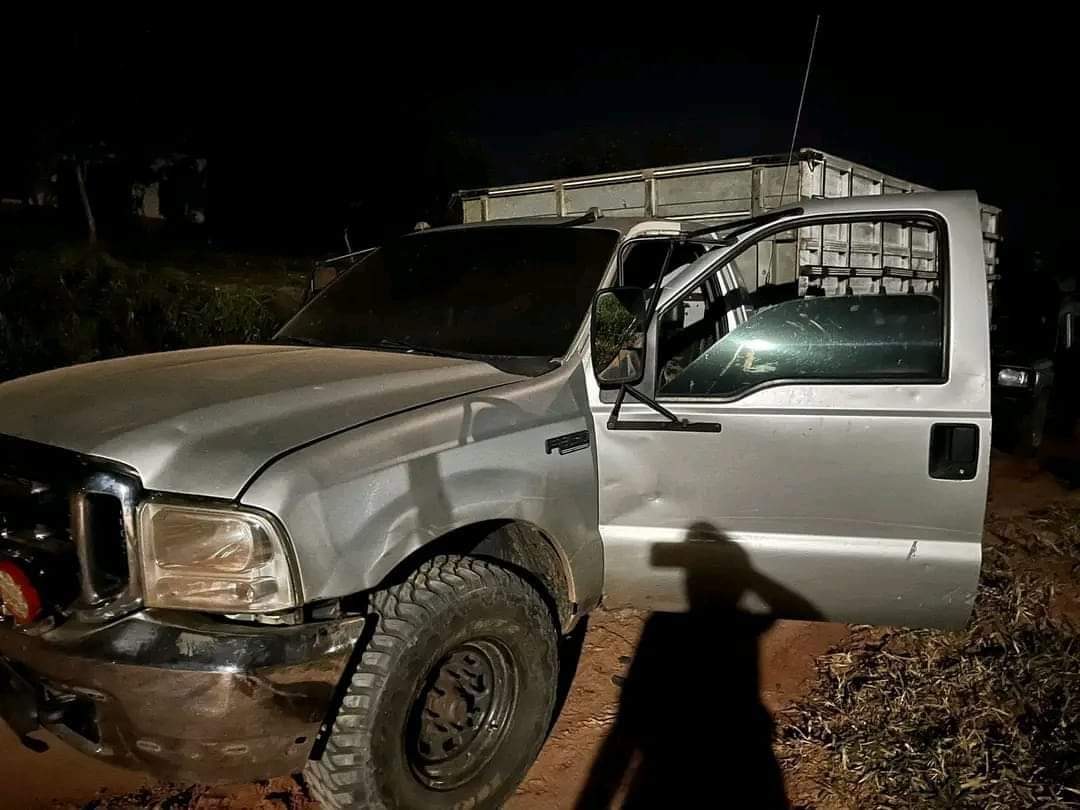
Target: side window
[
  {"x": 839, "y": 301},
  {"x": 643, "y": 258},
  {"x": 688, "y": 329},
  {"x": 701, "y": 318}
]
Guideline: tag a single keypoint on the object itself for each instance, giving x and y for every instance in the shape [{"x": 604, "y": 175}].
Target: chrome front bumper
[{"x": 178, "y": 695}]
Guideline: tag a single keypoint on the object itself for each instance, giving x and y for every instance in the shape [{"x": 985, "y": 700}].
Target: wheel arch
[{"x": 518, "y": 544}]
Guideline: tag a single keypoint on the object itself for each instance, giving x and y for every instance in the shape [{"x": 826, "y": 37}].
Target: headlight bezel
[{"x": 150, "y": 569}]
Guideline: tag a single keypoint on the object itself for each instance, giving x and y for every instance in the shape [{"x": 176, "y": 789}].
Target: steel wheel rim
[{"x": 461, "y": 713}]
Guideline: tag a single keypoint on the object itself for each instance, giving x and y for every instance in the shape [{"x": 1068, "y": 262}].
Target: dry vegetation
[{"x": 987, "y": 718}]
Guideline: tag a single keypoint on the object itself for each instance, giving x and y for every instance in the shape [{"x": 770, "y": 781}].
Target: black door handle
[{"x": 954, "y": 451}]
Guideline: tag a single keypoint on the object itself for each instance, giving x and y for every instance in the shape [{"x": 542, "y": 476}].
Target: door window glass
[
  {"x": 687, "y": 330},
  {"x": 852, "y": 301}
]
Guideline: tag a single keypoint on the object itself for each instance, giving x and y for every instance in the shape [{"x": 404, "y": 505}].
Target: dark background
[{"x": 373, "y": 120}]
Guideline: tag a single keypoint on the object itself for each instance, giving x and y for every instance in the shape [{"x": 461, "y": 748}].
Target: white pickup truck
[{"x": 353, "y": 550}]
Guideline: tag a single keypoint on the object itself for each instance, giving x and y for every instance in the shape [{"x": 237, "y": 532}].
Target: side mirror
[{"x": 618, "y": 335}]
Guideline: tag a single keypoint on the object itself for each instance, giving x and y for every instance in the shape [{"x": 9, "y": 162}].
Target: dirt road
[{"x": 716, "y": 696}]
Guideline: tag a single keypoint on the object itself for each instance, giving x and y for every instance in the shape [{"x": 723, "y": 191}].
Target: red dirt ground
[{"x": 785, "y": 656}]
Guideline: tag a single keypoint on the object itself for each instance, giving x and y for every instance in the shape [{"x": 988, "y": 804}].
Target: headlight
[
  {"x": 220, "y": 560},
  {"x": 1013, "y": 378}
]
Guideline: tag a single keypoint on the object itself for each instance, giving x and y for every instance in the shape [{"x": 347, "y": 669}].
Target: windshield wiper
[
  {"x": 294, "y": 340},
  {"x": 412, "y": 348},
  {"x": 404, "y": 345},
  {"x": 395, "y": 344},
  {"x": 510, "y": 363}
]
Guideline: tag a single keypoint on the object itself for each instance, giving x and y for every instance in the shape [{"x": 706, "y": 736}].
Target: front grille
[
  {"x": 107, "y": 554},
  {"x": 66, "y": 522},
  {"x": 31, "y": 506}
]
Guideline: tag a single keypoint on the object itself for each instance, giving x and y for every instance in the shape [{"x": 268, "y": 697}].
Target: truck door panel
[{"x": 817, "y": 498}]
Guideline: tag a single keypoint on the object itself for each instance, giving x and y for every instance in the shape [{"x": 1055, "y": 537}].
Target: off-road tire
[{"x": 448, "y": 601}]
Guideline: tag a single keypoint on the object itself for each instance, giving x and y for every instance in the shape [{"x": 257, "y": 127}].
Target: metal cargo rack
[{"x": 715, "y": 191}]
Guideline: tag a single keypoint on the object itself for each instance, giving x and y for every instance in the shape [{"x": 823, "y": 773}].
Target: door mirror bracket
[{"x": 673, "y": 423}]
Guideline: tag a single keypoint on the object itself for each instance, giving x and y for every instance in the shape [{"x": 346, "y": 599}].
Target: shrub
[{"x": 72, "y": 306}]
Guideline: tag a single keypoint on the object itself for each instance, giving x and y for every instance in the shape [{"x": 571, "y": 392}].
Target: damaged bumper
[{"x": 183, "y": 697}]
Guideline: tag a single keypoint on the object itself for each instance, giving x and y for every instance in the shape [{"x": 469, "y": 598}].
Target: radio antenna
[{"x": 798, "y": 112}]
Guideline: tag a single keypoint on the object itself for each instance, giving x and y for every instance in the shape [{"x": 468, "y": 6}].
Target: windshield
[{"x": 518, "y": 291}]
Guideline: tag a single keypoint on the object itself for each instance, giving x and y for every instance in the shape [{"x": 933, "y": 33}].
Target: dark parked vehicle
[{"x": 1035, "y": 356}]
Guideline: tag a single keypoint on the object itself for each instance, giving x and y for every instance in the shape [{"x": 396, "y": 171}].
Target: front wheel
[{"x": 452, "y": 697}]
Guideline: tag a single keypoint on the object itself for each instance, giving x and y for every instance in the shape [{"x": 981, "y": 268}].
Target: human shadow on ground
[{"x": 691, "y": 729}]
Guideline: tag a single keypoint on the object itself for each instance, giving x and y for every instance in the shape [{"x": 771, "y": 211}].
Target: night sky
[{"x": 372, "y": 122}]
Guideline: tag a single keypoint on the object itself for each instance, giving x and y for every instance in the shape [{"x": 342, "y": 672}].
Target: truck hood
[{"x": 204, "y": 421}]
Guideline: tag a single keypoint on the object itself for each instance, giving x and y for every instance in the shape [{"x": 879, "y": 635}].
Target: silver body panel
[
  {"x": 365, "y": 457},
  {"x": 822, "y": 490},
  {"x": 203, "y": 421},
  {"x": 360, "y": 502}
]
